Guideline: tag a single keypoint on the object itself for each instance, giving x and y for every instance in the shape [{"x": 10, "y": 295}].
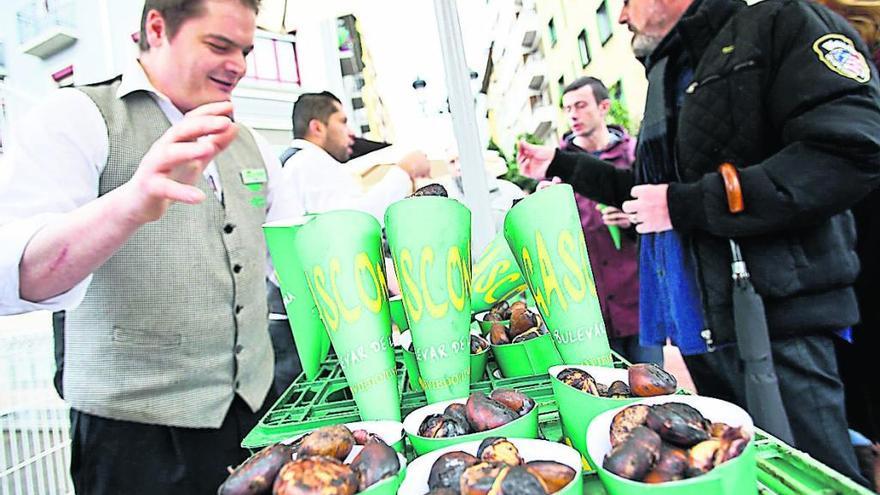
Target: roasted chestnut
[
  {"x": 678, "y": 423},
  {"x": 626, "y": 421},
  {"x": 478, "y": 344},
  {"x": 484, "y": 413},
  {"x": 578, "y": 379},
  {"x": 361, "y": 437},
  {"x": 554, "y": 474},
  {"x": 618, "y": 390},
  {"x": 648, "y": 380},
  {"x": 256, "y": 475},
  {"x": 519, "y": 480},
  {"x": 375, "y": 462},
  {"x": 671, "y": 465},
  {"x": 479, "y": 478},
  {"x": 497, "y": 449},
  {"x": 518, "y": 402},
  {"x": 331, "y": 441},
  {"x": 701, "y": 457},
  {"x": 441, "y": 426},
  {"x": 447, "y": 470},
  {"x": 530, "y": 334},
  {"x": 315, "y": 475},
  {"x": 522, "y": 320},
  {"x": 634, "y": 458},
  {"x": 458, "y": 412},
  {"x": 502, "y": 309},
  {"x": 498, "y": 334},
  {"x": 431, "y": 190}
]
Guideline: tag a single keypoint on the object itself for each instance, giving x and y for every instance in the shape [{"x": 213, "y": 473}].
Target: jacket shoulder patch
[{"x": 840, "y": 55}]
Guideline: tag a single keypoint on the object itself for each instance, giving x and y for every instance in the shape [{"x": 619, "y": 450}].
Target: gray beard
[{"x": 643, "y": 45}]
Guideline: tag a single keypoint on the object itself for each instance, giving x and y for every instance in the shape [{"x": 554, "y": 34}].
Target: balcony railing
[{"x": 46, "y": 27}]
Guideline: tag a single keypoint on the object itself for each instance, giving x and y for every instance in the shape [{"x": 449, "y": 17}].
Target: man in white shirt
[
  {"x": 136, "y": 205},
  {"x": 313, "y": 165}
]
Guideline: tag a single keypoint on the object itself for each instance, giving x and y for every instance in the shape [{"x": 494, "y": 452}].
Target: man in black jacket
[{"x": 781, "y": 90}]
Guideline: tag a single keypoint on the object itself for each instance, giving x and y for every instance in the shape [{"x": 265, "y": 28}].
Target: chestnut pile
[
  {"x": 478, "y": 345},
  {"x": 524, "y": 324},
  {"x": 645, "y": 380},
  {"x": 669, "y": 442},
  {"x": 480, "y": 413},
  {"x": 318, "y": 466},
  {"x": 497, "y": 469}
]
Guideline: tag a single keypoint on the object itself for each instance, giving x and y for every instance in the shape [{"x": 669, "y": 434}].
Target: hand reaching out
[
  {"x": 614, "y": 216},
  {"x": 534, "y": 160},
  {"x": 650, "y": 209},
  {"x": 176, "y": 160}
]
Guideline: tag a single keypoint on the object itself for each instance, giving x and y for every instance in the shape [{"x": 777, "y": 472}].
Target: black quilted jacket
[{"x": 806, "y": 139}]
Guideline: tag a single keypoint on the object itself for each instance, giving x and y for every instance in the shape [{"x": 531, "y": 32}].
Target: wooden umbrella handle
[{"x": 732, "y": 187}]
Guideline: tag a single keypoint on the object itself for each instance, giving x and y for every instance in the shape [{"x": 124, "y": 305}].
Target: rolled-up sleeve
[{"x": 14, "y": 238}]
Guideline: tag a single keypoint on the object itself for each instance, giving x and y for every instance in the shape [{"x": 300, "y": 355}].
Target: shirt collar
[
  {"x": 134, "y": 78},
  {"x": 304, "y": 144}
]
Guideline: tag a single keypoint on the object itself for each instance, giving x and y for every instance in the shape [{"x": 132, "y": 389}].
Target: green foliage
[
  {"x": 618, "y": 114},
  {"x": 513, "y": 175}
]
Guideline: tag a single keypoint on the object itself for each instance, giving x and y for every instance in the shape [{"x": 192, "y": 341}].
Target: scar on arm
[{"x": 59, "y": 260}]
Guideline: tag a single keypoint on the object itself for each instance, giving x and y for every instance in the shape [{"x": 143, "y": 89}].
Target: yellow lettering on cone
[
  {"x": 349, "y": 315},
  {"x": 568, "y": 252},
  {"x": 411, "y": 297},
  {"x": 548, "y": 274},
  {"x": 362, "y": 269},
  {"x": 454, "y": 263},
  {"x": 326, "y": 304},
  {"x": 427, "y": 259},
  {"x": 537, "y": 292}
]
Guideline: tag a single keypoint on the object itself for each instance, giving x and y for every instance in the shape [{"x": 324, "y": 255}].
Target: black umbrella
[{"x": 763, "y": 399}]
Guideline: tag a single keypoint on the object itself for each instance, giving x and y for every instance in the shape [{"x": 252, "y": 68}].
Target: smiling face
[{"x": 205, "y": 59}]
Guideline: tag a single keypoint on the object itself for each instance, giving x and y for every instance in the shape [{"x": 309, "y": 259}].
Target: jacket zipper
[{"x": 748, "y": 64}]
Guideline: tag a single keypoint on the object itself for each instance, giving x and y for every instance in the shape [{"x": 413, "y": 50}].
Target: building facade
[{"x": 540, "y": 46}]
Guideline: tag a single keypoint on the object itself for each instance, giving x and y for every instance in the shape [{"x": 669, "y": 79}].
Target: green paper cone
[
  {"x": 478, "y": 364},
  {"x": 496, "y": 276},
  {"x": 312, "y": 341},
  {"x": 614, "y": 230},
  {"x": 398, "y": 313},
  {"x": 577, "y": 408},
  {"x": 545, "y": 236},
  {"x": 341, "y": 254},
  {"x": 429, "y": 239},
  {"x": 532, "y": 357}
]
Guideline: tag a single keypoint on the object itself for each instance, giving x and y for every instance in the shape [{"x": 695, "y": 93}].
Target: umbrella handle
[{"x": 732, "y": 187}]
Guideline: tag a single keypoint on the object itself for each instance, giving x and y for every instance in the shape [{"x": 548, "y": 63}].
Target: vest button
[
  {"x": 238, "y": 309},
  {"x": 238, "y": 348},
  {"x": 228, "y": 228},
  {"x": 236, "y": 268}
]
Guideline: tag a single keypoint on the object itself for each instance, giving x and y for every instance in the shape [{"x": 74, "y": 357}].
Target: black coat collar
[{"x": 697, "y": 27}]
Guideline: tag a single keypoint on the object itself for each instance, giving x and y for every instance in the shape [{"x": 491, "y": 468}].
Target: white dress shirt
[
  {"x": 315, "y": 182},
  {"x": 56, "y": 157}
]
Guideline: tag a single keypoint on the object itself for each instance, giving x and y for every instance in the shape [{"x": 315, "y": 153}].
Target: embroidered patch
[{"x": 840, "y": 55}]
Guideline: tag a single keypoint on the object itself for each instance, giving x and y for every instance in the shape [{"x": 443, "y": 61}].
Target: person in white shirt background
[
  {"x": 314, "y": 165},
  {"x": 61, "y": 227}
]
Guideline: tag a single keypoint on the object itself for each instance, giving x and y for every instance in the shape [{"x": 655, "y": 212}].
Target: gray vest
[{"x": 175, "y": 323}]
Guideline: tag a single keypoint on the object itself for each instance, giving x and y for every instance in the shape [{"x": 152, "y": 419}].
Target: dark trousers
[
  {"x": 111, "y": 457},
  {"x": 287, "y": 364},
  {"x": 811, "y": 391}
]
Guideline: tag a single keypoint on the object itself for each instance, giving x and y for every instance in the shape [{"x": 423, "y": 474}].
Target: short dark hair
[
  {"x": 600, "y": 92},
  {"x": 175, "y": 12},
  {"x": 312, "y": 106}
]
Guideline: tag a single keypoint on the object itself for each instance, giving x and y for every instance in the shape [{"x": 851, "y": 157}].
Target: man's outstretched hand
[
  {"x": 171, "y": 167},
  {"x": 534, "y": 160}
]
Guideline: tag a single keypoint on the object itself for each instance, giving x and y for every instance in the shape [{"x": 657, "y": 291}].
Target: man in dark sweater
[{"x": 781, "y": 90}]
